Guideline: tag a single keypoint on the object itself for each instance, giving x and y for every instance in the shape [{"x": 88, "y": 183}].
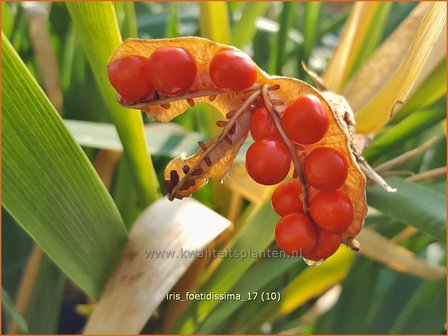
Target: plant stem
[
  {"x": 405, "y": 156},
  {"x": 437, "y": 172}
]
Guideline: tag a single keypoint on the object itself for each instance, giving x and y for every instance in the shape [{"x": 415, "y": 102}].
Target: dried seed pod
[
  {"x": 220, "y": 152},
  {"x": 214, "y": 162}
]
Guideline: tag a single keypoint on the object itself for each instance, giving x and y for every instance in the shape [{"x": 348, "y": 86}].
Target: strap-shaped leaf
[
  {"x": 11, "y": 313},
  {"x": 359, "y": 28},
  {"x": 168, "y": 139},
  {"x": 412, "y": 204},
  {"x": 50, "y": 187},
  {"x": 425, "y": 312},
  {"x": 214, "y": 21},
  {"x": 415, "y": 124},
  {"x": 430, "y": 36},
  {"x": 97, "y": 29},
  {"x": 432, "y": 89},
  {"x": 385, "y": 60},
  {"x": 44, "y": 308},
  {"x": 245, "y": 28}
]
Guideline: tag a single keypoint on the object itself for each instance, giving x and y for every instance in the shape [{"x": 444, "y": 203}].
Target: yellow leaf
[
  {"x": 354, "y": 35},
  {"x": 214, "y": 22},
  {"x": 381, "y": 249},
  {"x": 315, "y": 280},
  {"x": 376, "y": 112},
  {"x": 387, "y": 58}
]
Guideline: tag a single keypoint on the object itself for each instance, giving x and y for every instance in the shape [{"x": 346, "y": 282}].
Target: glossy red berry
[
  {"x": 130, "y": 77},
  {"x": 327, "y": 245},
  {"x": 295, "y": 234},
  {"x": 268, "y": 161},
  {"x": 172, "y": 69},
  {"x": 305, "y": 120},
  {"x": 232, "y": 70},
  {"x": 332, "y": 211},
  {"x": 262, "y": 126},
  {"x": 325, "y": 169},
  {"x": 286, "y": 198}
]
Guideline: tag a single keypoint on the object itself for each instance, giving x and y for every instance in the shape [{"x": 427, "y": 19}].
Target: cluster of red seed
[
  {"x": 316, "y": 235},
  {"x": 172, "y": 71},
  {"x": 325, "y": 170}
]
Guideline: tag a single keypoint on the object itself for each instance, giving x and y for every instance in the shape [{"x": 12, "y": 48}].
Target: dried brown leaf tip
[{"x": 292, "y": 124}]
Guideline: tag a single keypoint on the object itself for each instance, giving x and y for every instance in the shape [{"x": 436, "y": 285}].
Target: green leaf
[
  {"x": 154, "y": 24},
  {"x": 250, "y": 320},
  {"x": 172, "y": 25},
  {"x": 395, "y": 290},
  {"x": 311, "y": 32},
  {"x": 255, "y": 236},
  {"x": 439, "y": 187},
  {"x": 97, "y": 29},
  {"x": 432, "y": 89},
  {"x": 127, "y": 20},
  {"x": 124, "y": 194},
  {"x": 333, "y": 23},
  {"x": 168, "y": 140},
  {"x": 11, "y": 313},
  {"x": 68, "y": 61},
  {"x": 16, "y": 248},
  {"x": 350, "y": 312},
  {"x": 50, "y": 187},
  {"x": 426, "y": 312},
  {"x": 412, "y": 204},
  {"x": 435, "y": 157},
  {"x": 130, "y": 20},
  {"x": 287, "y": 15},
  {"x": 245, "y": 28},
  {"x": 19, "y": 28},
  {"x": 374, "y": 298},
  {"x": 7, "y": 19},
  {"x": 214, "y": 25},
  {"x": 396, "y": 135},
  {"x": 234, "y": 6},
  {"x": 44, "y": 308},
  {"x": 355, "y": 35}
]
